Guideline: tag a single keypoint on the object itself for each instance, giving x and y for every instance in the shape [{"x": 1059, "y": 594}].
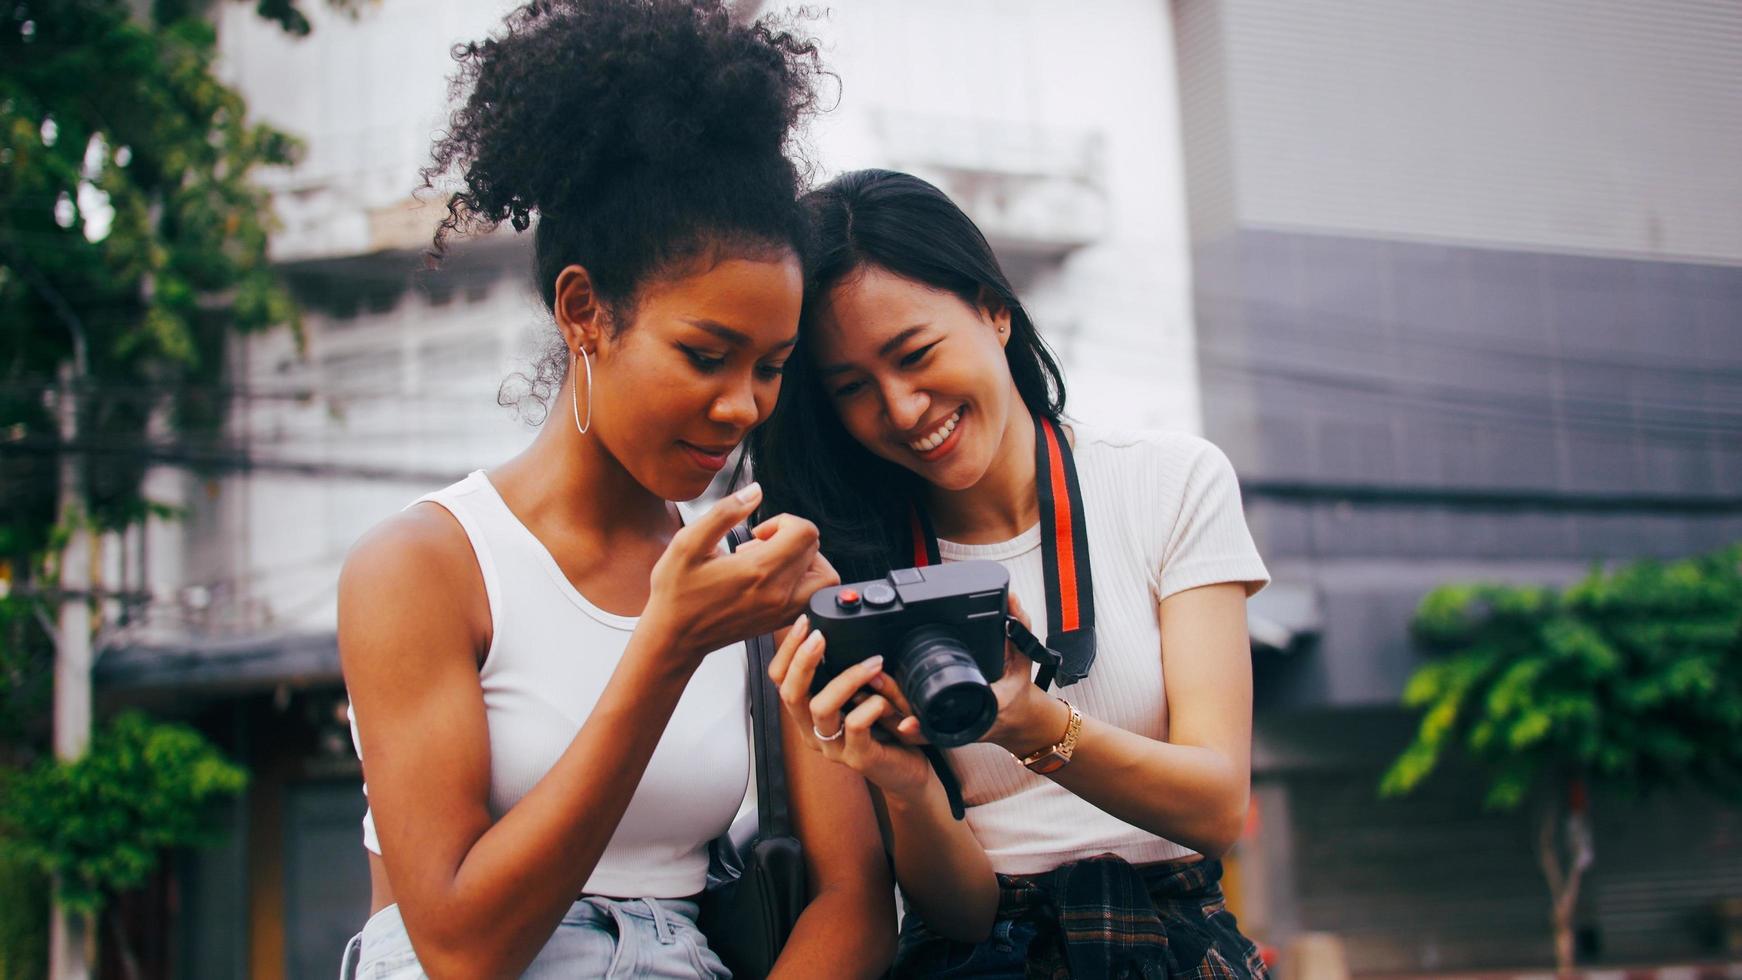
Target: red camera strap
[{"x": 1064, "y": 539}]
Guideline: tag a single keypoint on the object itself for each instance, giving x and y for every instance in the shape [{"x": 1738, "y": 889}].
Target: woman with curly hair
[
  {"x": 923, "y": 422},
  {"x": 544, "y": 660}
]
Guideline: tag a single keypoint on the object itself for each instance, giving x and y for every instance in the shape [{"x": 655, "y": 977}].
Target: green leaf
[
  {"x": 1405, "y": 774},
  {"x": 1529, "y": 730}
]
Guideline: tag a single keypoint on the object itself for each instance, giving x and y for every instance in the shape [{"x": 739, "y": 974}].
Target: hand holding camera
[
  {"x": 931, "y": 646},
  {"x": 703, "y": 600},
  {"x": 1022, "y": 706},
  {"x": 847, "y": 724}
]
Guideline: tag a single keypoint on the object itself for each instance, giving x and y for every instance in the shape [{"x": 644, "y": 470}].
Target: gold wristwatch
[{"x": 1053, "y": 757}]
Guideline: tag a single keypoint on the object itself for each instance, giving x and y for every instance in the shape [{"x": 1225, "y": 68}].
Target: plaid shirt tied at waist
[{"x": 1103, "y": 918}]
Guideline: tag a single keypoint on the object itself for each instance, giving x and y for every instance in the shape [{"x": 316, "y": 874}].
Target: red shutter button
[{"x": 847, "y": 599}]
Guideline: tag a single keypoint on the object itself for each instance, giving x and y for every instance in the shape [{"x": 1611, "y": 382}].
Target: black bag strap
[{"x": 773, "y": 812}]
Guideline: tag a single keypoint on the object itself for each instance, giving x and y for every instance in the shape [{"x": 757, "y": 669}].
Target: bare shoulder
[
  {"x": 409, "y": 575},
  {"x": 423, "y": 540}
]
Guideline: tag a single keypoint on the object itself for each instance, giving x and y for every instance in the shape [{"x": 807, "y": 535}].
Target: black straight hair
[{"x": 804, "y": 457}]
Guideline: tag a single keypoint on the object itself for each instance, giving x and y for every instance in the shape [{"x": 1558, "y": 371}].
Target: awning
[
  {"x": 1283, "y": 615},
  {"x": 242, "y": 663}
]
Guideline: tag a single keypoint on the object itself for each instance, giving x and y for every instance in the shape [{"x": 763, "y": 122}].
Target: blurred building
[
  {"x": 1468, "y": 288},
  {"x": 1458, "y": 288}
]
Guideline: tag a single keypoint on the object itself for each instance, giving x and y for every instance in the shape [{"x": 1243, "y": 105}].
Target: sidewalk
[{"x": 1714, "y": 970}]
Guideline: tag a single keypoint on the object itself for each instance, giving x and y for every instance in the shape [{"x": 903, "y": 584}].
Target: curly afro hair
[{"x": 641, "y": 134}]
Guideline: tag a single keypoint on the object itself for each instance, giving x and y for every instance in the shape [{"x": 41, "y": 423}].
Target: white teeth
[{"x": 937, "y": 438}]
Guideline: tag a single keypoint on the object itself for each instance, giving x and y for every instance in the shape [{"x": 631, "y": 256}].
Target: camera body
[{"x": 941, "y": 632}]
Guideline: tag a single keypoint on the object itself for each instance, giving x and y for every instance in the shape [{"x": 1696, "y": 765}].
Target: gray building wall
[
  {"x": 1468, "y": 282},
  {"x": 1410, "y": 413},
  {"x": 1608, "y": 126}
]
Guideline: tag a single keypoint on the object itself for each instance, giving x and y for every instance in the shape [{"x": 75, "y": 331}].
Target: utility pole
[{"x": 69, "y": 944}]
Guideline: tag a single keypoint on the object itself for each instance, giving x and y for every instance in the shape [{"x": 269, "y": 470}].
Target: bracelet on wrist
[{"x": 1054, "y": 757}]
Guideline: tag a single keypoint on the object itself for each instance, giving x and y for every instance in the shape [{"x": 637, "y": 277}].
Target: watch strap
[{"x": 1055, "y": 756}]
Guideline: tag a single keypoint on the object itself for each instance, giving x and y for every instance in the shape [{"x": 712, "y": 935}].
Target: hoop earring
[{"x": 574, "y": 395}]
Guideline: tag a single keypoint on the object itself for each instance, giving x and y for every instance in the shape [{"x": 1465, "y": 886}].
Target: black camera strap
[
  {"x": 1064, "y": 542},
  {"x": 1069, "y": 650}
]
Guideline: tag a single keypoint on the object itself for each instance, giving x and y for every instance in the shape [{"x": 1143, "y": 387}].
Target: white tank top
[
  {"x": 551, "y": 653},
  {"x": 1164, "y": 516}
]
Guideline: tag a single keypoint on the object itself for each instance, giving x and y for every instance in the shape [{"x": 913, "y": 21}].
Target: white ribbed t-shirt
[
  {"x": 551, "y": 654},
  {"x": 1163, "y": 513}
]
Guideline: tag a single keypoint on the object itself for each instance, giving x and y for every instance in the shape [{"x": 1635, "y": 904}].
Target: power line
[
  {"x": 1293, "y": 490},
  {"x": 224, "y": 459}
]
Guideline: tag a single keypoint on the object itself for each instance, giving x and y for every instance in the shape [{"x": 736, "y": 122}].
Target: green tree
[
  {"x": 24, "y": 926},
  {"x": 1625, "y": 684},
  {"x": 132, "y": 242},
  {"x": 26, "y": 649},
  {"x": 133, "y": 245},
  {"x": 101, "y": 824}
]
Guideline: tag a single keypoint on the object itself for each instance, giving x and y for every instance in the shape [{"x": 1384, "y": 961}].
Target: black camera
[{"x": 941, "y": 632}]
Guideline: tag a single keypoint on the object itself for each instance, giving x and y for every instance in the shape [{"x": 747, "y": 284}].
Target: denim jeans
[{"x": 598, "y": 937}]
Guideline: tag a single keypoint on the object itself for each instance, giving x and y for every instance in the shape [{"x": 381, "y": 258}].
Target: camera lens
[{"x": 949, "y": 695}]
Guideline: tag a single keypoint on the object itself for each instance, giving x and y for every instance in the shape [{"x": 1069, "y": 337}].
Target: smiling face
[
  {"x": 679, "y": 387},
  {"x": 918, "y": 375}
]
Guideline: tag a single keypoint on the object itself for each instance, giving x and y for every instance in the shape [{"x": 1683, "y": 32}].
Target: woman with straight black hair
[
  {"x": 900, "y": 225},
  {"x": 922, "y": 420}
]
